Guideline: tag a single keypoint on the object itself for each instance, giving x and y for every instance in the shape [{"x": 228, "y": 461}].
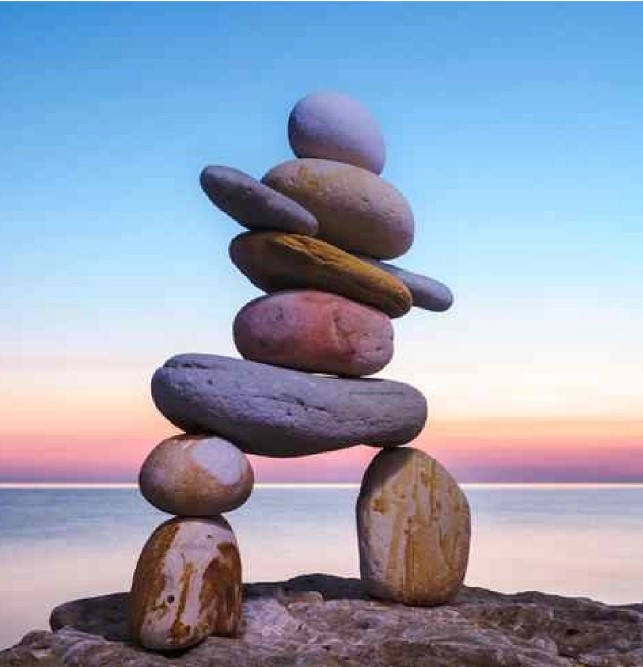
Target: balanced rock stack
[{"x": 319, "y": 227}]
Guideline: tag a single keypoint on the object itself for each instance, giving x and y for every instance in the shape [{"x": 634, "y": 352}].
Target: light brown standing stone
[
  {"x": 414, "y": 529},
  {"x": 315, "y": 332},
  {"x": 187, "y": 584}
]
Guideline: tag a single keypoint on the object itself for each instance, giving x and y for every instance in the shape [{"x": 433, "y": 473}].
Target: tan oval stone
[
  {"x": 356, "y": 210},
  {"x": 317, "y": 332},
  {"x": 414, "y": 529},
  {"x": 191, "y": 475},
  {"x": 274, "y": 261},
  {"x": 187, "y": 584}
]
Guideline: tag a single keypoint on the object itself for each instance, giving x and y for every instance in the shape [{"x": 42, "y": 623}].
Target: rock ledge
[{"x": 325, "y": 621}]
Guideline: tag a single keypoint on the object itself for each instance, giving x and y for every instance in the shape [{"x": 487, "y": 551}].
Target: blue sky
[{"x": 514, "y": 129}]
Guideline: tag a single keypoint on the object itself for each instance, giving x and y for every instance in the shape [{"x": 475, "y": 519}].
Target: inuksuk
[{"x": 319, "y": 227}]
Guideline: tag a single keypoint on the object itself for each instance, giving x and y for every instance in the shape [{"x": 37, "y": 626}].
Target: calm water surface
[{"x": 60, "y": 543}]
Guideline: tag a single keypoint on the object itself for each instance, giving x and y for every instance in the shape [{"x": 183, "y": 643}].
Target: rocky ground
[{"x": 319, "y": 620}]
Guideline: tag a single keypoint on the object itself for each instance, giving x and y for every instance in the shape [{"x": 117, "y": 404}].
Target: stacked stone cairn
[{"x": 319, "y": 227}]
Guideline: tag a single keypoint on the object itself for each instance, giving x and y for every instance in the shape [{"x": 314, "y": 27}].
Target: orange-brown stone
[{"x": 274, "y": 261}]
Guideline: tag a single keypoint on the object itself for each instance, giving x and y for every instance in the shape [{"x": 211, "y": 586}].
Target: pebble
[
  {"x": 414, "y": 529},
  {"x": 337, "y": 127},
  {"x": 196, "y": 476},
  {"x": 187, "y": 585},
  {"x": 253, "y": 204},
  {"x": 273, "y": 262},
  {"x": 427, "y": 293},
  {"x": 281, "y": 412},
  {"x": 315, "y": 332},
  {"x": 355, "y": 209}
]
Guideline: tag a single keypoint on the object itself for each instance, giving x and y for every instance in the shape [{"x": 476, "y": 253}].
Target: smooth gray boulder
[
  {"x": 281, "y": 412},
  {"x": 334, "y": 126},
  {"x": 253, "y": 204},
  {"x": 427, "y": 293}
]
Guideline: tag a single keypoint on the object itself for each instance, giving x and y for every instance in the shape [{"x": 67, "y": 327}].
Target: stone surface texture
[
  {"x": 281, "y": 412},
  {"x": 196, "y": 476},
  {"x": 334, "y": 126},
  {"x": 413, "y": 529},
  {"x": 253, "y": 204},
  {"x": 274, "y": 262},
  {"x": 187, "y": 584},
  {"x": 316, "y": 332},
  {"x": 323, "y": 621},
  {"x": 355, "y": 209},
  {"x": 427, "y": 293}
]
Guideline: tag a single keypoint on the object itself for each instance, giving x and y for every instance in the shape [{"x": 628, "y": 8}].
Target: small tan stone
[
  {"x": 355, "y": 209},
  {"x": 191, "y": 475},
  {"x": 414, "y": 529},
  {"x": 274, "y": 261},
  {"x": 187, "y": 584}
]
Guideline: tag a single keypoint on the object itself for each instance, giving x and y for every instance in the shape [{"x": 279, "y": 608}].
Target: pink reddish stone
[{"x": 316, "y": 332}]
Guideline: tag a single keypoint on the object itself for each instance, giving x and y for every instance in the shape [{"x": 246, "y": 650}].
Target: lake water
[{"x": 57, "y": 544}]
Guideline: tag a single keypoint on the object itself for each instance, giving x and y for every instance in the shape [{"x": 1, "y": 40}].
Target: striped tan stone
[
  {"x": 187, "y": 584},
  {"x": 414, "y": 529}
]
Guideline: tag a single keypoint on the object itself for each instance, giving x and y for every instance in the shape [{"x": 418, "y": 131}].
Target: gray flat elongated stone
[
  {"x": 427, "y": 293},
  {"x": 281, "y": 412},
  {"x": 253, "y": 204}
]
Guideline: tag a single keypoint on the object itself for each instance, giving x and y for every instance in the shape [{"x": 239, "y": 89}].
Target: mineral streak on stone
[
  {"x": 187, "y": 584},
  {"x": 281, "y": 412},
  {"x": 316, "y": 332},
  {"x": 427, "y": 293},
  {"x": 356, "y": 210},
  {"x": 336, "y": 127},
  {"x": 253, "y": 204},
  {"x": 414, "y": 529},
  {"x": 320, "y": 620},
  {"x": 273, "y": 262},
  {"x": 196, "y": 476}
]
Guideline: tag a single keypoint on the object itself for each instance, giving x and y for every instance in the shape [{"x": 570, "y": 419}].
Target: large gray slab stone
[{"x": 281, "y": 412}]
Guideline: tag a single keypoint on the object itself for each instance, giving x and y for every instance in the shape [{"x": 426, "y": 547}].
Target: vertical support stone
[
  {"x": 414, "y": 529},
  {"x": 187, "y": 584}
]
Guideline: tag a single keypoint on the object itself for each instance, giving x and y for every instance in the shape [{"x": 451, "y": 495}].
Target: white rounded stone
[{"x": 191, "y": 475}]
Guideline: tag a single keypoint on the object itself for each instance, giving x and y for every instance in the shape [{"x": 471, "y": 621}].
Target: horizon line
[{"x": 324, "y": 485}]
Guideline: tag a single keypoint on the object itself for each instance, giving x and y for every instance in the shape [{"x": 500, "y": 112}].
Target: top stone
[{"x": 333, "y": 126}]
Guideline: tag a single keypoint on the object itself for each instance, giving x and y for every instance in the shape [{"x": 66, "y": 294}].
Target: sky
[{"x": 514, "y": 130}]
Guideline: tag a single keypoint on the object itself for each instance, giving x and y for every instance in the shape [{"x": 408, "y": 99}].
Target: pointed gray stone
[
  {"x": 427, "y": 293},
  {"x": 253, "y": 204}
]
